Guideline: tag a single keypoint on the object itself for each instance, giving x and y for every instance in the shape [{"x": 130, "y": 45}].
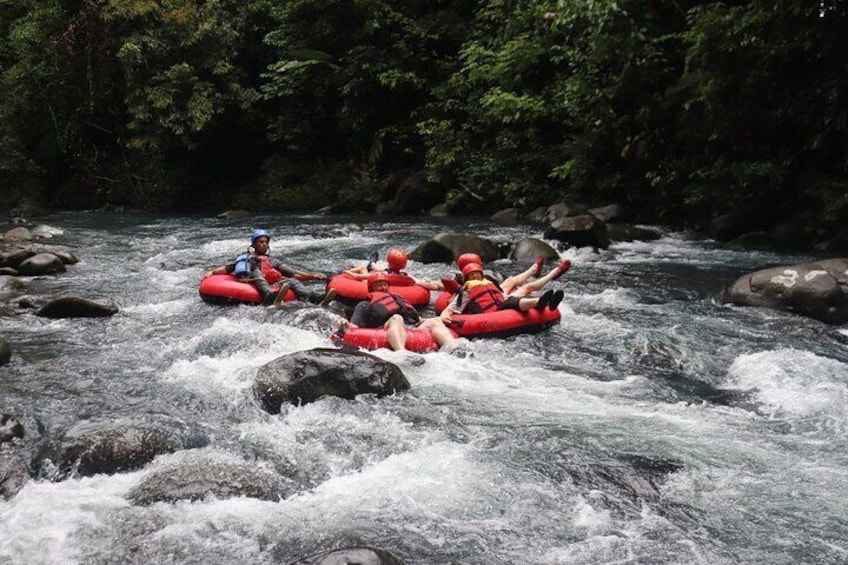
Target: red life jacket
[
  {"x": 484, "y": 298},
  {"x": 384, "y": 305},
  {"x": 271, "y": 274}
]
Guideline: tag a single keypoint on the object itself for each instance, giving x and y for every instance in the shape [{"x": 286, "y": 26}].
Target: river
[{"x": 525, "y": 452}]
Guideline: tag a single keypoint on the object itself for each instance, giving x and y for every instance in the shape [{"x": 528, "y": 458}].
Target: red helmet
[
  {"x": 396, "y": 258},
  {"x": 376, "y": 277},
  {"x": 467, "y": 258},
  {"x": 471, "y": 268}
]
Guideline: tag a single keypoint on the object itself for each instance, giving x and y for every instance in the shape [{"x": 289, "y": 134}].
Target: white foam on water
[
  {"x": 243, "y": 346},
  {"x": 40, "y": 522},
  {"x": 794, "y": 384}
]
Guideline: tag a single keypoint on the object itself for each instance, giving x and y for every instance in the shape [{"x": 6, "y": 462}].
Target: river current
[{"x": 532, "y": 450}]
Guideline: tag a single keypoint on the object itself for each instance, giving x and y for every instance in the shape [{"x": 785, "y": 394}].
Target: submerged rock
[
  {"x": 112, "y": 451},
  {"x": 76, "y": 307},
  {"x": 196, "y": 475},
  {"x": 5, "y": 351},
  {"x": 306, "y": 376},
  {"x": 359, "y": 555}
]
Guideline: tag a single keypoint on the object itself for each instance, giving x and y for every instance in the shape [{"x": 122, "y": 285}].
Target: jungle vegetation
[{"x": 680, "y": 109}]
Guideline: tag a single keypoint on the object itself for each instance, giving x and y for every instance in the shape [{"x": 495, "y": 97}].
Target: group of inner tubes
[{"x": 382, "y": 302}]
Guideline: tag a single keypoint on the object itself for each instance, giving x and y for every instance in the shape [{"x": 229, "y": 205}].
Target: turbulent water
[{"x": 654, "y": 425}]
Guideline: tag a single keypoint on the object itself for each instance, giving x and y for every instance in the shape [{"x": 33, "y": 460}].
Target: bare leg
[
  {"x": 536, "y": 285},
  {"x": 396, "y": 333},
  {"x": 441, "y": 334},
  {"x": 511, "y": 283}
]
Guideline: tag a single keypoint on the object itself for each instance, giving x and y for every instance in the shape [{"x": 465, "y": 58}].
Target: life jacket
[
  {"x": 483, "y": 296},
  {"x": 271, "y": 274},
  {"x": 384, "y": 305},
  {"x": 244, "y": 265}
]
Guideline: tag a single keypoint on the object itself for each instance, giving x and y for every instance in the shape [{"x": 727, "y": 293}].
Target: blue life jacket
[{"x": 244, "y": 265}]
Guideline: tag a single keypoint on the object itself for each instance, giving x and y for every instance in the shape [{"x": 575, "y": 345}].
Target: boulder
[
  {"x": 5, "y": 351},
  {"x": 10, "y": 429},
  {"x": 446, "y": 247},
  {"x": 415, "y": 194},
  {"x": 14, "y": 473},
  {"x": 41, "y": 264},
  {"x": 234, "y": 215},
  {"x": 508, "y": 215},
  {"x": 66, "y": 257},
  {"x": 629, "y": 232},
  {"x": 562, "y": 210},
  {"x": 735, "y": 223},
  {"x": 439, "y": 211},
  {"x": 198, "y": 474},
  {"x": 537, "y": 215},
  {"x": 14, "y": 258},
  {"x": 612, "y": 213},
  {"x": 357, "y": 555},
  {"x": 579, "y": 231},
  {"x": 76, "y": 307},
  {"x": 43, "y": 231},
  {"x": 526, "y": 251},
  {"x": 111, "y": 451},
  {"x": 9, "y": 271},
  {"x": 19, "y": 233},
  {"x": 306, "y": 376},
  {"x": 818, "y": 290}
]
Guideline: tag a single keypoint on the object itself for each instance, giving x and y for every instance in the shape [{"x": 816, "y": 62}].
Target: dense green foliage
[{"x": 681, "y": 109}]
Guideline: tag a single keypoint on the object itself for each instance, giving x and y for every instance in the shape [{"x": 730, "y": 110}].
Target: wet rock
[
  {"x": 508, "y": 215},
  {"x": 14, "y": 473},
  {"x": 446, "y": 247},
  {"x": 111, "y": 451},
  {"x": 526, "y": 251},
  {"x": 612, "y": 213},
  {"x": 11, "y": 283},
  {"x": 440, "y": 211},
  {"x": 818, "y": 290},
  {"x": 10, "y": 429},
  {"x": 43, "y": 231},
  {"x": 17, "y": 234},
  {"x": 415, "y": 194},
  {"x": 234, "y": 215},
  {"x": 16, "y": 257},
  {"x": 579, "y": 231},
  {"x": 5, "y": 352},
  {"x": 8, "y": 271},
  {"x": 199, "y": 474},
  {"x": 66, "y": 257},
  {"x": 359, "y": 555},
  {"x": 633, "y": 476},
  {"x": 76, "y": 307},
  {"x": 306, "y": 376},
  {"x": 41, "y": 264},
  {"x": 562, "y": 210},
  {"x": 629, "y": 232}
]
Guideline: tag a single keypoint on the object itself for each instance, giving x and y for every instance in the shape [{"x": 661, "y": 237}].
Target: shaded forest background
[{"x": 681, "y": 110}]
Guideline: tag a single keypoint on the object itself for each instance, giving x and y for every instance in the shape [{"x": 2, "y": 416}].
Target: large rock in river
[
  {"x": 5, "y": 351},
  {"x": 446, "y": 247},
  {"x": 526, "y": 251},
  {"x": 357, "y": 555},
  {"x": 306, "y": 376},
  {"x": 41, "y": 264},
  {"x": 112, "y": 450},
  {"x": 818, "y": 290},
  {"x": 198, "y": 474},
  {"x": 76, "y": 307}
]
